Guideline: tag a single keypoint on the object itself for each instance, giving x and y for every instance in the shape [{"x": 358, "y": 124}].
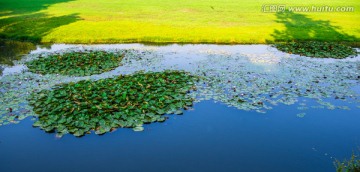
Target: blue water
[{"x": 213, "y": 137}]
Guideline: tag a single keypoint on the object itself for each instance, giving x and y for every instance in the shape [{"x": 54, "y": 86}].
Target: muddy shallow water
[{"x": 256, "y": 109}]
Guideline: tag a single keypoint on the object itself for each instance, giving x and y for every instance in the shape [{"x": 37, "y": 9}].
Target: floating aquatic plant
[
  {"x": 351, "y": 165},
  {"x": 106, "y": 104},
  {"x": 301, "y": 115},
  {"x": 317, "y": 49},
  {"x": 79, "y": 63},
  {"x": 15, "y": 88},
  {"x": 13, "y": 92},
  {"x": 247, "y": 86}
]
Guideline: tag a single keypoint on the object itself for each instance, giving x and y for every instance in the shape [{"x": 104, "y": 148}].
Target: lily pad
[
  {"x": 138, "y": 128},
  {"x": 301, "y": 115}
]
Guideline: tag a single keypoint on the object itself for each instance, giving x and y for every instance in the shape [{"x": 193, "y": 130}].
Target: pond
[{"x": 255, "y": 108}]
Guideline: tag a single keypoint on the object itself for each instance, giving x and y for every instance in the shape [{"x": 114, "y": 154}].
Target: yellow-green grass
[{"x": 174, "y": 21}]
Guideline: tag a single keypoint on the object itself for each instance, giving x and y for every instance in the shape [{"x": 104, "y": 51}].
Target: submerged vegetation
[
  {"x": 81, "y": 63},
  {"x": 317, "y": 49},
  {"x": 351, "y": 165},
  {"x": 106, "y": 104}
]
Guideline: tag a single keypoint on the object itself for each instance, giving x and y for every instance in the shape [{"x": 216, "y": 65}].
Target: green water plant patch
[
  {"x": 81, "y": 63},
  {"x": 107, "y": 104},
  {"x": 351, "y": 165},
  {"x": 317, "y": 49}
]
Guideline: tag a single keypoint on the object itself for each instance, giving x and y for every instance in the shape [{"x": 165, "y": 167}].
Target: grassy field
[{"x": 170, "y": 21}]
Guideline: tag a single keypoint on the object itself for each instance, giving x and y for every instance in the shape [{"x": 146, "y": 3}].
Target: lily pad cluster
[
  {"x": 106, "y": 104},
  {"x": 234, "y": 81},
  {"x": 80, "y": 63},
  {"x": 15, "y": 88},
  {"x": 317, "y": 49},
  {"x": 13, "y": 92}
]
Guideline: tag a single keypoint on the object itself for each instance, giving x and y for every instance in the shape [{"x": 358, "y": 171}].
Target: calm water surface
[{"x": 212, "y": 137}]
